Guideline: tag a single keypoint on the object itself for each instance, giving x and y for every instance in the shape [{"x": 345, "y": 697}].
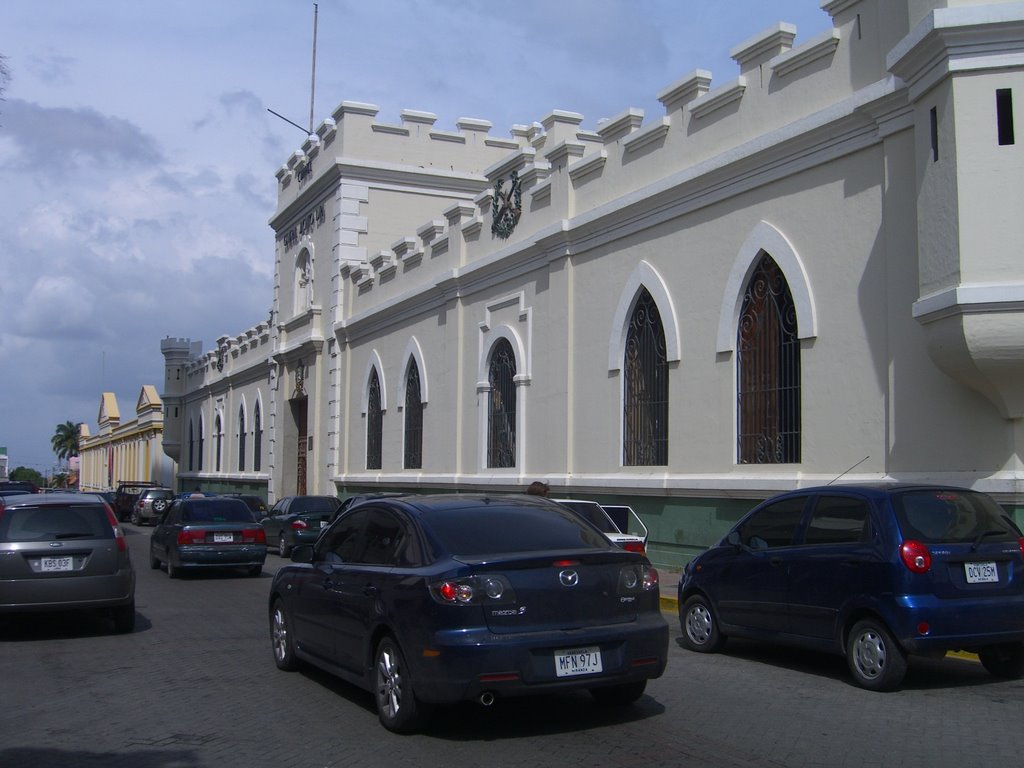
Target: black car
[
  {"x": 298, "y": 520},
  {"x": 438, "y": 599}
]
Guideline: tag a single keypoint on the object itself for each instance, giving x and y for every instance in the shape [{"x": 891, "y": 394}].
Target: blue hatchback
[{"x": 873, "y": 573}]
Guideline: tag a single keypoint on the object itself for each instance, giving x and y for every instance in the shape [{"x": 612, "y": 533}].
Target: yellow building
[{"x": 132, "y": 451}]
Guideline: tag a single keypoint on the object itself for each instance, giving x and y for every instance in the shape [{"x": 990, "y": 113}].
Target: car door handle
[
  {"x": 775, "y": 561},
  {"x": 370, "y": 591}
]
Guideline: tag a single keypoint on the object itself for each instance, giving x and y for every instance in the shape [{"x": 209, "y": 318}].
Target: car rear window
[
  {"x": 475, "y": 531},
  {"x": 313, "y": 504},
  {"x": 217, "y": 512},
  {"x": 942, "y": 515},
  {"x": 55, "y": 523}
]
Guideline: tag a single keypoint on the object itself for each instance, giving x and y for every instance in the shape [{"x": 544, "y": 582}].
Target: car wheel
[
  {"x": 159, "y": 505},
  {"x": 134, "y": 517},
  {"x": 282, "y": 547},
  {"x": 1005, "y": 660},
  {"x": 154, "y": 562},
  {"x": 255, "y": 571},
  {"x": 172, "y": 572},
  {"x": 874, "y": 657},
  {"x": 619, "y": 695},
  {"x": 124, "y": 618},
  {"x": 281, "y": 638},
  {"x": 397, "y": 707},
  {"x": 699, "y": 625}
]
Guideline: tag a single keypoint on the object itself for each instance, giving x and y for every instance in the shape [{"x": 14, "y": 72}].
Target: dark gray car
[{"x": 64, "y": 551}]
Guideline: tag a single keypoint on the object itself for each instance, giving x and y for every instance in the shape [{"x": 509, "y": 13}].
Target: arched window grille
[
  {"x": 413, "y": 418},
  {"x": 202, "y": 433},
  {"x": 257, "y": 439},
  {"x": 374, "y": 424},
  {"x": 191, "y": 445},
  {"x": 241, "y": 438},
  {"x": 501, "y": 411},
  {"x": 218, "y": 437},
  {"x": 645, "y": 400},
  {"x": 768, "y": 375}
]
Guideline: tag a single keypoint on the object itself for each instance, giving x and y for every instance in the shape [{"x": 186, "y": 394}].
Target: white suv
[{"x": 150, "y": 505}]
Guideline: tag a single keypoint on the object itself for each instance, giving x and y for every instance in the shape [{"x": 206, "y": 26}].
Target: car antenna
[{"x": 841, "y": 474}]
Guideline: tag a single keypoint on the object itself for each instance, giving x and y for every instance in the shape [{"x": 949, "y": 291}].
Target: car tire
[
  {"x": 619, "y": 695},
  {"x": 154, "y": 562},
  {"x": 159, "y": 505},
  {"x": 255, "y": 571},
  {"x": 124, "y": 618},
  {"x": 172, "y": 572},
  {"x": 134, "y": 518},
  {"x": 281, "y": 638},
  {"x": 1006, "y": 660},
  {"x": 282, "y": 547},
  {"x": 397, "y": 707},
  {"x": 700, "y": 625},
  {"x": 875, "y": 659}
]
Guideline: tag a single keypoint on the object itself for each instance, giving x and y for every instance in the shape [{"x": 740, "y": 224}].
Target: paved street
[{"x": 195, "y": 686}]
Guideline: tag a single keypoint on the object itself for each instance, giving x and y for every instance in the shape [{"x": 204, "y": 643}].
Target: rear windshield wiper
[{"x": 983, "y": 534}]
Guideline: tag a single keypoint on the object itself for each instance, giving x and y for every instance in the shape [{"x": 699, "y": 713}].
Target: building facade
[
  {"x": 809, "y": 271},
  {"x": 125, "y": 451}
]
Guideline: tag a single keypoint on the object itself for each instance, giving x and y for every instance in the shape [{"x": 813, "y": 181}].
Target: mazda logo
[{"x": 569, "y": 578}]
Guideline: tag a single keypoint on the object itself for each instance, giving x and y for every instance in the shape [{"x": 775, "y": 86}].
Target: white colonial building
[{"x": 809, "y": 268}]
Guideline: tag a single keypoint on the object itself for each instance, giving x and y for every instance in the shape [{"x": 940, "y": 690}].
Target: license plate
[
  {"x": 979, "y": 573},
  {"x": 223, "y": 538},
  {"x": 578, "y": 661},
  {"x": 48, "y": 564}
]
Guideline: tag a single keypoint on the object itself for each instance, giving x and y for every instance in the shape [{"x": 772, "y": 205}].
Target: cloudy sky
[{"x": 137, "y": 155}]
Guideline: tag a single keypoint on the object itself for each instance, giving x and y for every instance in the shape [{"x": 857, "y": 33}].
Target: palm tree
[{"x": 65, "y": 440}]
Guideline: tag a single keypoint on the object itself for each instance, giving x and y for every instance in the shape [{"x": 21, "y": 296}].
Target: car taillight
[
  {"x": 635, "y": 546},
  {"x": 254, "y": 536},
  {"x": 490, "y": 589},
  {"x": 189, "y": 536},
  {"x": 916, "y": 556},
  {"x": 635, "y": 578},
  {"x": 122, "y": 545},
  {"x": 298, "y": 525}
]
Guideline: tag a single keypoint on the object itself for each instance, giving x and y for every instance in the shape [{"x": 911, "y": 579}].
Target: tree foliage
[
  {"x": 27, "y": 475},
  {"x": 65, "y": 440}
]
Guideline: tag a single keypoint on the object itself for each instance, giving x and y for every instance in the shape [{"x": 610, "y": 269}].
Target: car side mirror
[
  {"x": 303, "y": 553},
  {"x": 733, "y": 539}
]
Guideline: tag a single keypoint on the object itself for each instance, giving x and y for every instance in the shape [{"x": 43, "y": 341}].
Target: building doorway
[{"x": 299, "y": 417}]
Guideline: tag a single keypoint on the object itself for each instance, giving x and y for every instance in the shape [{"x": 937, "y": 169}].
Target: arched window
[
  {"x": 374, "y": 423},
  {"x": 202, "y": 434},
  {"x": 413, "y": 418},
  {"x": 191, "y": 445},
  {"x": 645, "y": 394},
  {"x": 257, "y": 438},
  {"x": 218, "y": 437},
  {"x": 501, "y": 407},
  {"x": 768, "y": 370},
  {"x": 241, "y": 438}
]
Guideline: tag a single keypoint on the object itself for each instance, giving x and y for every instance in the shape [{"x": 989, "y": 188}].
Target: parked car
[
  {"x": 207, "y": 532},
  {"x": 256, "y": 504},
  {"x": 63, "y": 552},
  {"x": 298, "y": 520},
  {"x": 873, "y": 573},
  {"x": 599, "y": 516},
  {"x": 429, "y": 600},
  {"x": 150, "y": 505},
  {"x": 126, "y": 495}
]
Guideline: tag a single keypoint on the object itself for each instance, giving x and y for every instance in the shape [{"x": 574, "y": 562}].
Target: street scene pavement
[{"x": 195, "y": 686}]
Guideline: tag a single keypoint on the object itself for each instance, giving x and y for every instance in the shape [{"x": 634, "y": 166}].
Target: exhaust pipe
[{"x": 486, "y": 698}]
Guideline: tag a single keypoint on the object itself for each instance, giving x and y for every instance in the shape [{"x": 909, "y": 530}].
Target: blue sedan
[{"x": 429, "y": 600}]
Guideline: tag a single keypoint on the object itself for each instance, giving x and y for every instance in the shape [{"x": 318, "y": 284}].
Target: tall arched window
[
  {"x": 645, "y": 393},
  {"x": 413, "y": 418},
  {"x": 241, "y": 438},
  {"x": 501, "y": 408},
  {"x": 191, "y": 445},
  {"x": 257, "y": 438},
  {"x": 374, "y": 423},
  {"x": 768, "y": 370},
  {"x": 218, "y": 437},
  {"x": 202, "y": 436}
]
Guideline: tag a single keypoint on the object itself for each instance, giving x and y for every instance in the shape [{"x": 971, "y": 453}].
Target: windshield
[{"x": 943, "y": 515}]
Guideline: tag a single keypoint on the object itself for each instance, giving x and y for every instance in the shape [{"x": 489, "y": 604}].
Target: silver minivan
[{"x": 64, "y": 552}]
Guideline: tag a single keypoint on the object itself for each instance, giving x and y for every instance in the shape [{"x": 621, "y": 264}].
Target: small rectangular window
[
  {"x": 1004, "y": 115},
  {"x": 934, "y": 116}
]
